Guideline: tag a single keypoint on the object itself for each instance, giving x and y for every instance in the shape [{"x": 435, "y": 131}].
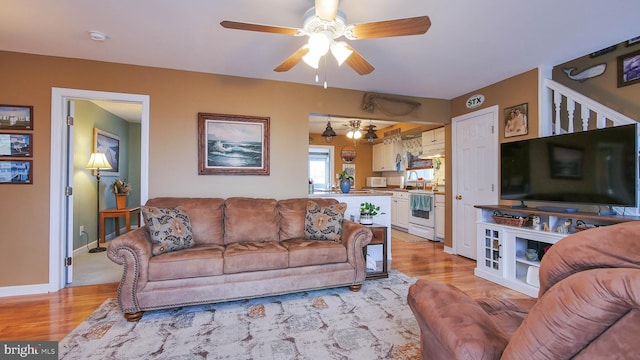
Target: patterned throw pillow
[
  {"x": 324, "y": 223},
  {"x": 170, "y": 229}
]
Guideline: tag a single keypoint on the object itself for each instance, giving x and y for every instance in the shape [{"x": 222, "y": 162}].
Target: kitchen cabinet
[
  {"x": 433, "y": 142},
  {"x": 400, "y": 209},
  {"x": 440, "y": 214},
  {"x": 384, "y": 156}
]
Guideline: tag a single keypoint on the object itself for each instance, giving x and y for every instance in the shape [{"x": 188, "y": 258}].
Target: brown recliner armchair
[{"x": 588, "y": 306}]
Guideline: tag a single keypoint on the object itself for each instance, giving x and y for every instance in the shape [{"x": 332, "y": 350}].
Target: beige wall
[
  {"x": 175, "y": 99},
  {"x": 516, "y": 90}
]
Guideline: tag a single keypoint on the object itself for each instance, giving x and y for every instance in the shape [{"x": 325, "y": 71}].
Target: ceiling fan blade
[
  {"x": 327, "y": 9},
  {"x": 260, "y": 28},
  {"x": 400, "y": 27},
  {"x": 292, "y": 60},
  {"x": 358, "y": 63}
]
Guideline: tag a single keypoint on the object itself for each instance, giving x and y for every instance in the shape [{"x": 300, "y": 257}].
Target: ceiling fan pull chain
[{"x": 325, "y": 71}]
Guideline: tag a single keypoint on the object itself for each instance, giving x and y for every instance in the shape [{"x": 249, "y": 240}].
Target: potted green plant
[
  {"x": 345, "y": 181},
  {"x": 367, "y": 212}
]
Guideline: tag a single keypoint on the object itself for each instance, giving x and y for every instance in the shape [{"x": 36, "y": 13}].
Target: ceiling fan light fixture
[
  {"x": 312, "y": 59},
  {"x": 320, "y": 42},
  {"x": 340, "y": 51}
]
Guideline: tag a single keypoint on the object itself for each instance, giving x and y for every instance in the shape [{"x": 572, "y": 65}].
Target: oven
[{"x": 422, "y": 214}]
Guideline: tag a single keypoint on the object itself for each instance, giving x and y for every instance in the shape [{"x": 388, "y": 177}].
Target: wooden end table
[
  {"x": 379, "y": 239},
  {"x": 116, "y": 214}
]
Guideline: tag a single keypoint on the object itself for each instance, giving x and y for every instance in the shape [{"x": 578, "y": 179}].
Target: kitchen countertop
[{"x": 338, "y": 193}]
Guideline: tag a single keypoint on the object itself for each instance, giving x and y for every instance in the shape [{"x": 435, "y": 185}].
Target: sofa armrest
[
  {"x": 354, "y": 237},
  {"x": 133, "y": 250},
  {"x": 452, "y": 325}
]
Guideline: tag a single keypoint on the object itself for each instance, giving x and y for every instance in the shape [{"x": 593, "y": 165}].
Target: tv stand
[
  {"x": 501, "y": 248},
  {"x": 521, "y": 206}
]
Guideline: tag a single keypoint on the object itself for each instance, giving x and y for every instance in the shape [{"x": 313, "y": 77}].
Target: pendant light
[
  {"x": 370, "y": 135},
  {"x": 328, "y": 133}
]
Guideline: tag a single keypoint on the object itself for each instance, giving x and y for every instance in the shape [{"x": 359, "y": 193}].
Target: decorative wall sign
[
  {"x": 15, "y": 145},
  {"x": 474, "y": 101},
  {"x": 109, "y": 144},
  {"x": 587, "y": 73},
  {"x": 515, "y": 120},
  {"x": 233, "y": 145},
  {"x": 16, "y": 172},
  {"x": 348, "y": 154},
  {"x": 16, "y": 117},
  {"x": 629, "y": 69}
]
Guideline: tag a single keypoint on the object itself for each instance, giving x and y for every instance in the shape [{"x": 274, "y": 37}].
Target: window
[{"x": 321, "y": 166}]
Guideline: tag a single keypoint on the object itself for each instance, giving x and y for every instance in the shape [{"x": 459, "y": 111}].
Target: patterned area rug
[{"x": 374, "y": 323}]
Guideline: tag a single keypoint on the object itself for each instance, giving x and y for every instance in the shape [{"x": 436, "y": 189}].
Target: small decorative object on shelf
[
  {"x": 564, "y": 227},
  {"x": 531, "y": 254},
  {"x": 536, "y": 223},
  {"x": 581, "y": 225},
  {"x": 367, "y": 212}
]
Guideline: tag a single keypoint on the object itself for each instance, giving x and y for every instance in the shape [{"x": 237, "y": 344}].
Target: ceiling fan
[{"x": 324, "y": 24}]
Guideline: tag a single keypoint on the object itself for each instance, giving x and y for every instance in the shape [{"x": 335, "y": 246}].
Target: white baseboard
[
  {"x": 24, "y": 290},
  {"x": 449, "y": 250}
]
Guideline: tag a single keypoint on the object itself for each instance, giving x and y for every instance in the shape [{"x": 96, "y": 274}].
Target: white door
[
  {"x": 475, "y": 174},
  {"x": 70, "y": 112}
]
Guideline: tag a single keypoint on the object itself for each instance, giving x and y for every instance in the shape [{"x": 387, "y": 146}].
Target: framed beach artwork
[
  {"x": 109, "y": 144},
  {"x": 16, "y": 117},
  {"x": 233, "y": 145},
  {"x": 629, "y": 69},
  {"x": 18, "y": 145}
]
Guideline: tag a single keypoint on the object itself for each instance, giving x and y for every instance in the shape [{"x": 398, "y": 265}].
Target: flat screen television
[{"x": 590, "y": 167}]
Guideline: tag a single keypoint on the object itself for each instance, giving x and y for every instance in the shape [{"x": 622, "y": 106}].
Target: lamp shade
[{"x": 98, "y": 160}]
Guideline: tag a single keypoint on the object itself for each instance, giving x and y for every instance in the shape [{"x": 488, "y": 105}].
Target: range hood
[{"x": 432, "y": 152}]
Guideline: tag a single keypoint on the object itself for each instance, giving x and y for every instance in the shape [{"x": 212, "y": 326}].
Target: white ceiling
[{"x": 471, "y": 44}]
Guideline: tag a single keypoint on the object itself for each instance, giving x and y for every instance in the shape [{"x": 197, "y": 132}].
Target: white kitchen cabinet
[
  {"x": 433, "y": 141},
  {"x": 385, "y": 155},
  {"x": 440, "y": 216},
  {"x": 400, "y": 209}
]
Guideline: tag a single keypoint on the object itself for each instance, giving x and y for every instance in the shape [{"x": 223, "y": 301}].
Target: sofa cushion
[
  {"x": 324, "y": 223},
  {"x": 250, "y": 220},
  {"x": 200, "y": 260},
  {"x": 304, "y": 252},
  {"x": 292, "y": 214},
  {"x": 170, "y": 229},
  {"x": 255, "y": 256},
  {"x": 206, "y": 216}
]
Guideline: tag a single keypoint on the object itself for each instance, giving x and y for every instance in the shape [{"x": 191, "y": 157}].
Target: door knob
[{"x": 458, "y": 197}]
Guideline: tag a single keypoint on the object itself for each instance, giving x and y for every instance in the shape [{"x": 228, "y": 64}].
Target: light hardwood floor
[{"x": 52, "y": 316}]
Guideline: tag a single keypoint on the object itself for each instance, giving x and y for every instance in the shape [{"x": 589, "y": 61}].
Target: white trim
[
  {"x": 23, "y": 290},
  {"x": 449, "y": 250},
  {"x": 59, "y": 96},
  {"x": 545, "y": 105}
]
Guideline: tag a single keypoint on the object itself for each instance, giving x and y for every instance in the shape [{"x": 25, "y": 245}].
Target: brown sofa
[
  {"x": 588, "y": 306},
  {"x": 242, "y": 248}
]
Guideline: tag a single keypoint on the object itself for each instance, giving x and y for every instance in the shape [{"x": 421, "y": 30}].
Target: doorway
[
  {"x": 61, "y": 198},
  {"x": 475, "y": 174}
]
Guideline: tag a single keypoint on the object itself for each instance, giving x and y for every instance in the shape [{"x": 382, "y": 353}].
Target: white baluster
[
  {"x": 585, "y": 112},
  {"x": 557, "y": 102},
  {"x": 571, "y": 107},
  {"x": 602, "y": 121}
]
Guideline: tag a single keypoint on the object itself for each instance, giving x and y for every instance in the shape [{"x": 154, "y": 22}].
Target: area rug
[{"x": 374, "y": 323}]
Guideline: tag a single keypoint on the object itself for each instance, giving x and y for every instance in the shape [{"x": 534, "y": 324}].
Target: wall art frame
[
  {"x": 16, "y": 171},
  {"x": 16, "y": 145},
  {"x": 516, "y": 121},
  {"x": 109, "y": 144},
  {"x": 233, "y": 144},
  {"x": 629, "y": 69},
  {"x": 16, "y": 117}
]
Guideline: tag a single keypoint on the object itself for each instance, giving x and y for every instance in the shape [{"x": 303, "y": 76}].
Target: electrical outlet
[{"x": 81, "y": 229}]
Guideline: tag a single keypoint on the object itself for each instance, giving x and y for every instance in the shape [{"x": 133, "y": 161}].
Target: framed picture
[
  {"x": 16, "y": 172},
  {"x": 629, "y": 69},
  {"x": 515, "y": 120},
  {"x": 109, "y": 144},
  {"x": 233, "y": 145},
  {"x": 16, "y": 117},
  {"x": 565, "y": 162},
  {"x": 15, "y": 145}
]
